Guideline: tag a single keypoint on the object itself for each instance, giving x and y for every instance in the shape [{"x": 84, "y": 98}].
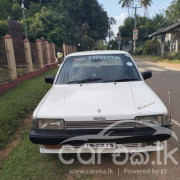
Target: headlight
[
  {"x": 50, "y": 124},
  {"x": 166, "y": 120},
  {"x": 155, "y": 120}
]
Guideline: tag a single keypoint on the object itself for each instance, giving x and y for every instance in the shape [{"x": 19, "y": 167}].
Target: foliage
[
  {"x": 112, "y": 45},
  {"x": 16, "y": 12},
  {"x": 151, "y": 47},
  {"x": 83, "y": 11},
  {"x": 3, "y": 27},
  {"x": 130, "y": 3},
  {"x": 55, "y": 20},
  {"x": 102, "y": 45},
  {"x": 171, "y": 56},
  {"x": 167, "y": 58},
  {"x": 145, "y": 25},
  {"x": 88, "y": 43},
  {"x": 173, "y": 10},
  {"x": 33, "y": 9},
  {"x": 18, "y": 102},
  {"x": 159, "y": 21},
  {"x": 112, "y": 21},
  {"x": 139, "y": 50},
  {"x": 4, "y": 9},
  {"x": 127, "y": 29}
]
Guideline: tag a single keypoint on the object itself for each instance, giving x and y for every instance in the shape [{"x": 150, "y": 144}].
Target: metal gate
[
  {"x": 34, "y": 55},
  {"x": 51, "y": 49},
  {"x": 43, "y": 46},
  {"x": 20, "y": 58},
  {"x": 5, "y": 72}
]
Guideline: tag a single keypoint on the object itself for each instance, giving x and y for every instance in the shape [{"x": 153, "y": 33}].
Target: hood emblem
[{"x": 99, "y": 111}]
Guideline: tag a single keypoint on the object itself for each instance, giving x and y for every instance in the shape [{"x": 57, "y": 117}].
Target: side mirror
[
  {"x": 146, "y": 75},
  {"x": 49, "y": 79}
]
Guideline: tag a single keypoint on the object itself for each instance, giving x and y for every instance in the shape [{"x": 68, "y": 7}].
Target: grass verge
[
  {"x": 18, "y": 102},
  {"x": 157, "y": 59},
  {"x": 26, "y": 162}
]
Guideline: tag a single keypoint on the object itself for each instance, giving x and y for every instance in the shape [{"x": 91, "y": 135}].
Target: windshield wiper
[
  {"x": 84, "y": 81},
  {"x": 121, "y": 80}
]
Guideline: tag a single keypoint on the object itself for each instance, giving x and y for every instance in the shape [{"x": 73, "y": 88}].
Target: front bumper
[{"x": 119, "y": 136}]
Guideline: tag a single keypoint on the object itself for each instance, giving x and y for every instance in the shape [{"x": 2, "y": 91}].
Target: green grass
[
  {"x": 25, "y": 161},
  {"x": 18, "y": 102},
  {"x": 157, "y": 59},
  {"x": 21, "y": 70}
]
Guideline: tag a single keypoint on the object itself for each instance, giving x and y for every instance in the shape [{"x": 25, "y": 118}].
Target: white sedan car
[{"x": 99, "y": 100}]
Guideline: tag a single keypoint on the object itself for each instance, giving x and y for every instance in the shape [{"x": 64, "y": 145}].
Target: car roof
[{"x": 82, "y": 53}]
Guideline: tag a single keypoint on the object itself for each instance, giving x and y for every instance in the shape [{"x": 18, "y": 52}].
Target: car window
[{"x": 98, "y": 69}]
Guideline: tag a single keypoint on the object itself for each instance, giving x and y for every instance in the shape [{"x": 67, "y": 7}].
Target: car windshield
[{"x": 98, "y": 69}]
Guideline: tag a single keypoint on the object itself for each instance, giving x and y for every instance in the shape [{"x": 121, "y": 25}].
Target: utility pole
[
  {"x": 135, "y": 25},
  {"x": 23, "y": 10}
]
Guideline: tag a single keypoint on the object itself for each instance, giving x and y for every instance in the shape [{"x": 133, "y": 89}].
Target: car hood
[{"x": 114, "y": 101}]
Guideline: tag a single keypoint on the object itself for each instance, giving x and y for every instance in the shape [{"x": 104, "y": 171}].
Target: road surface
[{"x": 163, "y": 79}]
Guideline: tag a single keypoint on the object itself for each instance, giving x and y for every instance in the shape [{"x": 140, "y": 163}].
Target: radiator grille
[{"x": 97, "y": 125}]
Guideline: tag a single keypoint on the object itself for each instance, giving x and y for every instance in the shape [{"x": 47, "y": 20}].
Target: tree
[
  {"x": 146, "y": 26},
  {"x": 3, "y": 27},
  {"x": 33, "y": 9},
  {"x": 4, "y": 9},
  {"x": 112, "y": 22},
  {"x": 90, "y": 12},
  {"x": 88, "y": 43},
  {"x": 129, "y": 3},
  {"x": 16, "y": 12},
  {"x": 173, "y": 10},
  {"x": 102, "y": 45},
  {"x": 52, "y": 25},
  {"x": 56, "y": 19},
  {"x": 159, "y": 21},
  {"x": 127, "y": 29},
  {"x": 112, "y": 45}
]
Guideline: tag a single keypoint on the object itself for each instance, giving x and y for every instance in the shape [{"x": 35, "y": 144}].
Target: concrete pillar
[
  {"x": 68, "y": 49},
  {"x": 40, "y": 53},
  {"x": 177, "y": 44},
  {"x": 54, "y": 52},
  {"x": 10, "y": 56},
  {"x": 64, "y": 49},
  {"x": 48, "y": 53},
  {"x": 28, "y": 56},
  {"x": 171, "y": 44},
  {"x": 67, "y": 52},
  {"x": 162, "y": 44}
]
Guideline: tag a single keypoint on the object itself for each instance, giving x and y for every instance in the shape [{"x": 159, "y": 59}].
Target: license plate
[{"x": 100, "y": 145}]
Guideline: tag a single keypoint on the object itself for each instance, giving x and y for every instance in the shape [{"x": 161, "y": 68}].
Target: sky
[{"x": 114, "y": 10}]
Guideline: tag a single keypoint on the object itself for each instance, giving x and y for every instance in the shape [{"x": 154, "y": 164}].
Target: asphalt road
[{"x": 162, "y": 80}]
